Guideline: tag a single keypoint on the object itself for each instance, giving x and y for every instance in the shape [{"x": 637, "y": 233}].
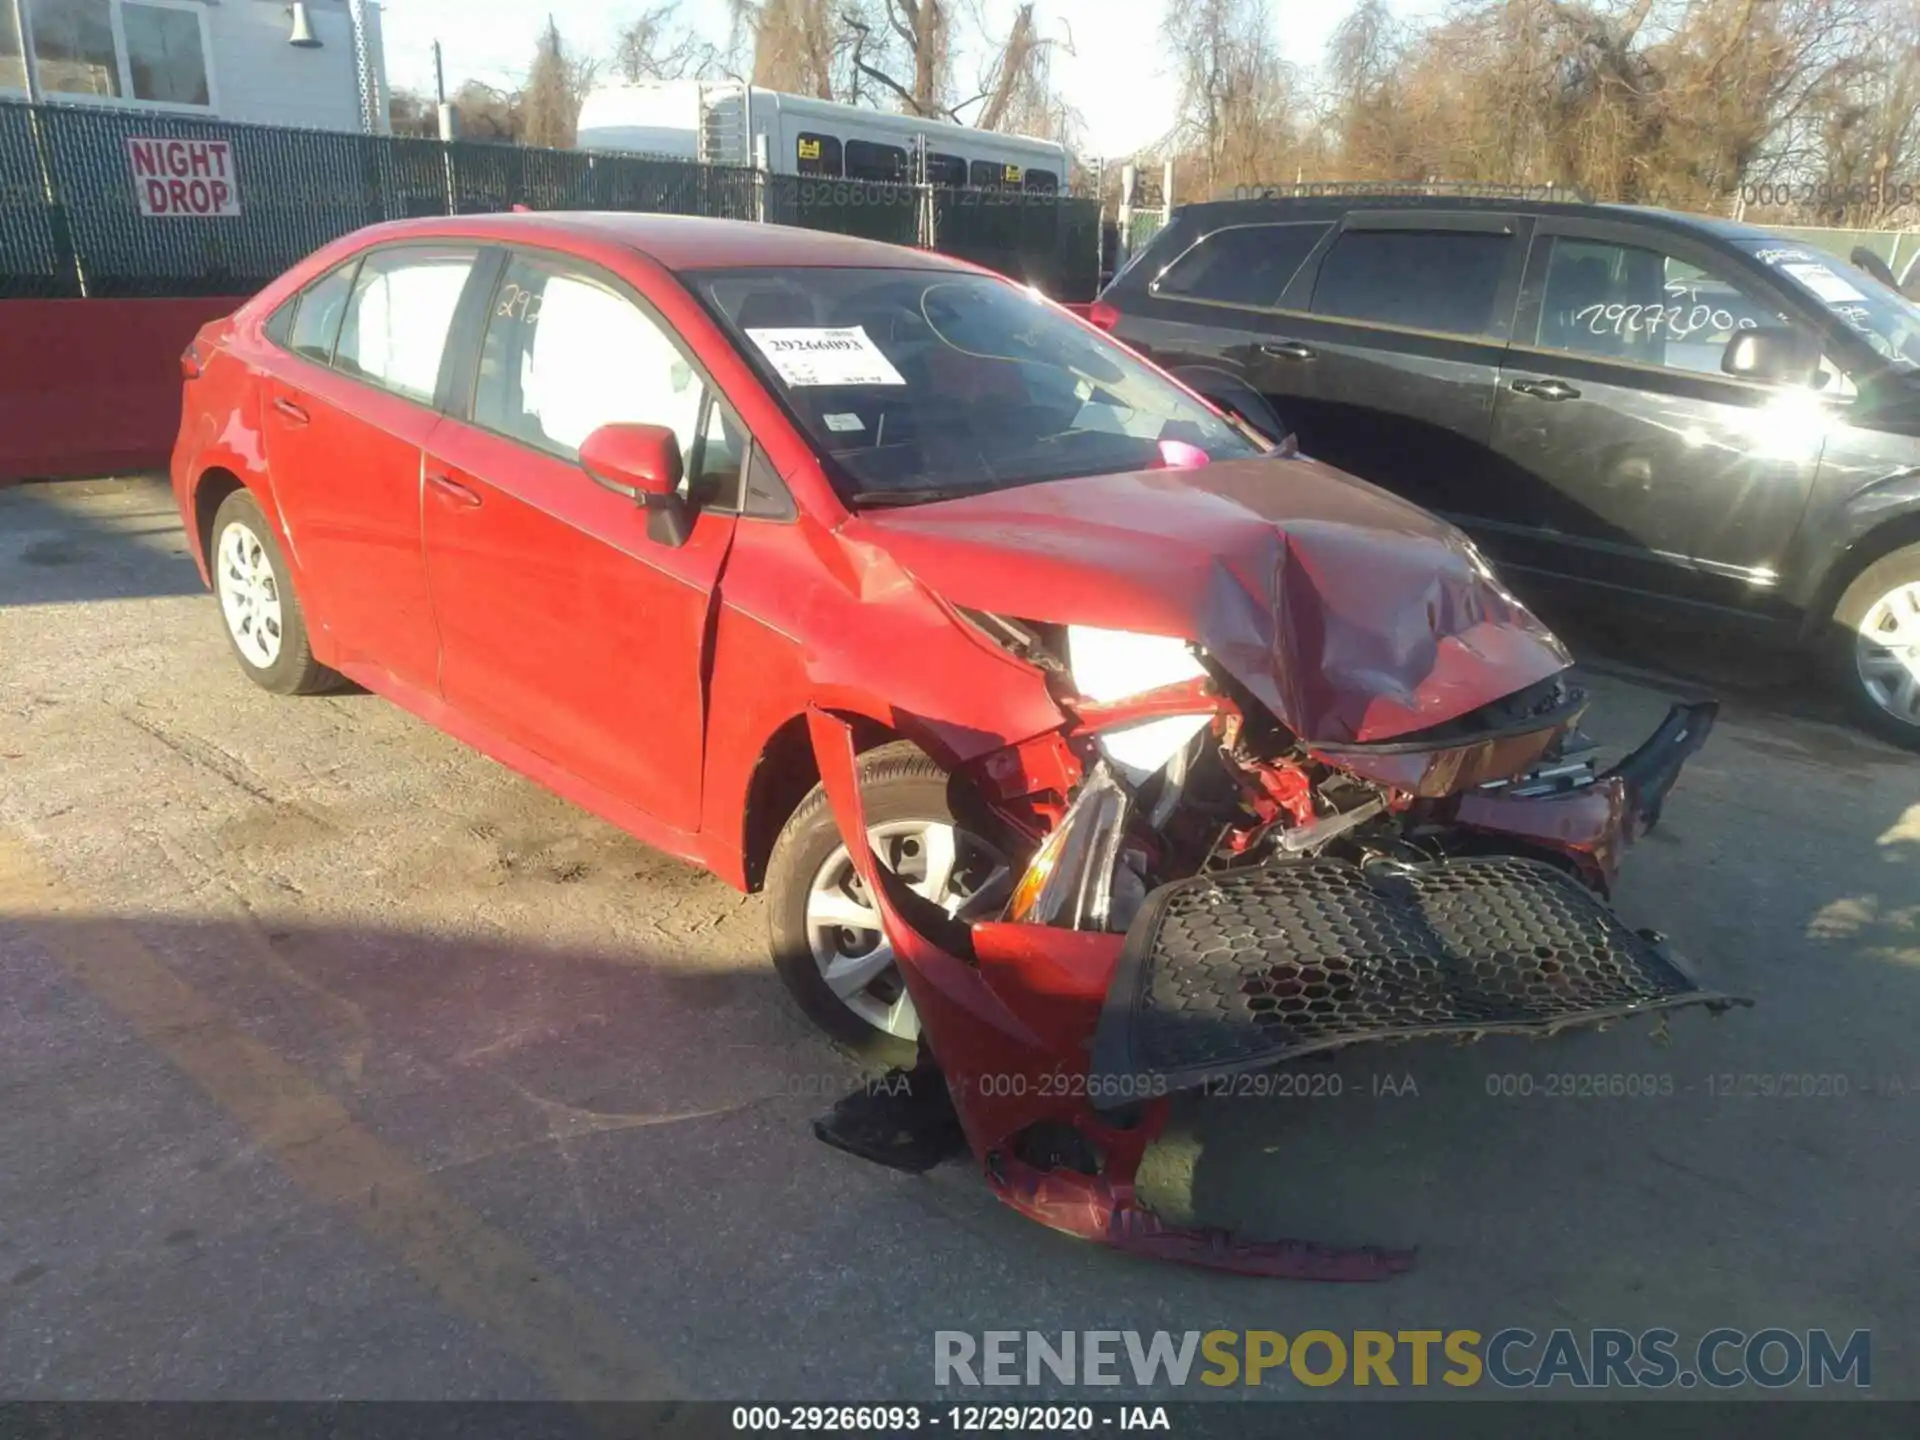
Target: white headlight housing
[{"x": 1113, "y": 665}]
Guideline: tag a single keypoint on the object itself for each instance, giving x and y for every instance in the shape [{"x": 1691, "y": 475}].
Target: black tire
[
  {"x": 897, "y": 782},
  {"x": 1882, "y": 577},
  {"x": 293, "y": 670}
]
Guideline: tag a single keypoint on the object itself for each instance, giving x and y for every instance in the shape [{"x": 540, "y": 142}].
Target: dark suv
[{"x": 1641, "y": 404}]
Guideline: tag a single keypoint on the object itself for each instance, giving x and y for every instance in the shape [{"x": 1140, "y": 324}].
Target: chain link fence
[{"x": 73, "y": 221}]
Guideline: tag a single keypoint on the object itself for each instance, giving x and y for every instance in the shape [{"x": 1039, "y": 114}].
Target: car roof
[
  {"x": 681, "y": 242},
  {"x": 1267, "y": 206}
]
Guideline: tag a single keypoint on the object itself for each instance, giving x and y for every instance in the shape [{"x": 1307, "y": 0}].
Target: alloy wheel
[
  {"x": 249, "y": 594},
  {"x": 958, "y": 871},
  {"x": 1887, "y": 652}
]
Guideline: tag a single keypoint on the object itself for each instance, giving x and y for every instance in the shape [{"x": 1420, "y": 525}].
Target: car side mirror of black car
[
  {"x": 642, "y": 462},
  {"x": 1772, "y": 353}
]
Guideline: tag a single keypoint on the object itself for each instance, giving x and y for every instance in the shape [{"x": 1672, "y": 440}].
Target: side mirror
[
  {"x": 1772, "y": 353},
  {"x": 641, "y": 462}
]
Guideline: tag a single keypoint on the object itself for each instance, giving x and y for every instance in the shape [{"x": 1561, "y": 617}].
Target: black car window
[
  {"x": 1628, "y": 302},
  {"x": 1043, "y": 181},
  {"x": 316, "y": 317},
  {"x": 395, "y": 328},
  {"x": 817, "y": 155},
  {"x": 1445, "y": 280},
  {"x": 1241, "y": 265},
  {"x": 991, "y": 175}
]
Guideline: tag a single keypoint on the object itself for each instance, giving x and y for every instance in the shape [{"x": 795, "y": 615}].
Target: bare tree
[
  {"x": 655, "y": 45},
  {"x": 1238, "y": 98},
  {"x": 912, "y": 37},
  {"x": 557, "y": 83},
  {"x": 411, "y": 113},
  {"x": 802, "y": 47},
  {"x": 487, "y": 113}
]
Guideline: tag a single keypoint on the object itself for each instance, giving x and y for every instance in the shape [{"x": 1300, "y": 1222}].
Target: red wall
[{"x": 91, "y": 387}]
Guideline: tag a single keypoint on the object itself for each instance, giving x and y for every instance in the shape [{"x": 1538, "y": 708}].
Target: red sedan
[{"x": 1167, "y": 754}]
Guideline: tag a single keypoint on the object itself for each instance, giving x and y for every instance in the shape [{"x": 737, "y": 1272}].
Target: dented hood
[{"x": 1352, "y": 615}]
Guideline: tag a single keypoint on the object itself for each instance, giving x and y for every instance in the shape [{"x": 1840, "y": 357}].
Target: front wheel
[
  {"x": 1875, "y": 647},
  {"x": 827, "y": 943}
]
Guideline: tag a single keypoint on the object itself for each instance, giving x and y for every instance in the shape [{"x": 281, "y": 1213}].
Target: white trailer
[{"x": 734, "y": 124}]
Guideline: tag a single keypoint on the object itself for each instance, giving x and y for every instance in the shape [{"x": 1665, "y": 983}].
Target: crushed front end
[{"x": 1206, "y": 892}]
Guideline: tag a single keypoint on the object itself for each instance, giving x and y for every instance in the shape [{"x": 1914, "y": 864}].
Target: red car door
[
  {"x": 346, "y": 417},
  {"x": 565, "y": 630}
]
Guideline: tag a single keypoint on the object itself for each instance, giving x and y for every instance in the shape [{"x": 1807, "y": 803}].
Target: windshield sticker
[
  {"x": 842, "y": 423},
  {"x": 1774, "y": 257},
  {"x": 825, "y": 357},
  {"x": 1823, "y": 282}
]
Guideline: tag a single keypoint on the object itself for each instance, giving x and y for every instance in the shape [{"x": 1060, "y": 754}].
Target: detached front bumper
[
  {"x": 1225, "y": 974},
  {"x": 1594, "y": 824},
  {"x": 1061, "y": 1048}
]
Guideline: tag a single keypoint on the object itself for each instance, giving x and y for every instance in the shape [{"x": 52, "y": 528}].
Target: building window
[
  {"x": 73, "y": 44},
  {"x": 151, "y": 50},
  {"x": 164, "y": 56}
]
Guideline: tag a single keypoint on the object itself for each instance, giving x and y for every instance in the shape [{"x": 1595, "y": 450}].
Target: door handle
[
  {"x": 453, "y": 491},
  {"x": 1287, "y": 350},
  {"x": 288, "y": 408},
  {"x": 1547, "y": 389}
]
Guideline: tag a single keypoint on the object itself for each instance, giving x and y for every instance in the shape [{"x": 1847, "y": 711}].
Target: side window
[
  {"x": 946, "y": 170},
  {"x": 817, "y": 155},
  {"x": 1242, "y": 265},
  {"x": 1445, "y": 280},
  {"x": 1044, "y": 181},
  {"x": 868, "y": 161},
  {"x": 1626, "y": 302},
  {"x": 990, "y": 175},
  {"x": 315, "y": 321},
  {"x": 565, "y": 354},
  {"x": 713, "y": 471},
  {"x": 397, "y": 319}
]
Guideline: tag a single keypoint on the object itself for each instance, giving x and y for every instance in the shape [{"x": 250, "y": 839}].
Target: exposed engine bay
[{"x": 1206, "y": 892}]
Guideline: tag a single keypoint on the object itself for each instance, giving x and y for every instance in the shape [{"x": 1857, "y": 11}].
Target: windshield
[
  {"x": 1885, "y": 319},
  {"x": 917, "y": 382}
]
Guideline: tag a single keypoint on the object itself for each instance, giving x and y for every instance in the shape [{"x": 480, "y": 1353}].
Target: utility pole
[
  {"x": 449, "y": 118},
  {"x": 23, "y": 40}
]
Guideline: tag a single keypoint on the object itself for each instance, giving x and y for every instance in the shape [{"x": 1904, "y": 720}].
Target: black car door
[
  {"x": 1211, "y": 315},
  {"x": 1626, "y": 457},
  {"x": 1396, "y": 331}
]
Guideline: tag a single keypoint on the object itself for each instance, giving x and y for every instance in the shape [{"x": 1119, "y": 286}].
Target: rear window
[
  {"x": 316, "y": 318},
  {"x": 1241, "y": 265},
  {"x": 1445, "y": 280},
  {"x": 910, "y": 381}
]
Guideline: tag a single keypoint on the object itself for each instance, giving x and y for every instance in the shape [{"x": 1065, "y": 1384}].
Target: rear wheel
[
  {"x": 827, "y": 943},
  {"x": 265, "y": 624},
  {"x": 1876, "y": 646}
]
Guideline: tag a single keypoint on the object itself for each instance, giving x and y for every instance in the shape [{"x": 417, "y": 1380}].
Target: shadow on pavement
[{"x": 75, "y": 540}]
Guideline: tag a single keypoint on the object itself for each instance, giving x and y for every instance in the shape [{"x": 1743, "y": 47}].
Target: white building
[{"x": 317, "y": 63}]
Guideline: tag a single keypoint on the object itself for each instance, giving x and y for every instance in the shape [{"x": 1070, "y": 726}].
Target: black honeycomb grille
[{"x": 1228, "y": 973}]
